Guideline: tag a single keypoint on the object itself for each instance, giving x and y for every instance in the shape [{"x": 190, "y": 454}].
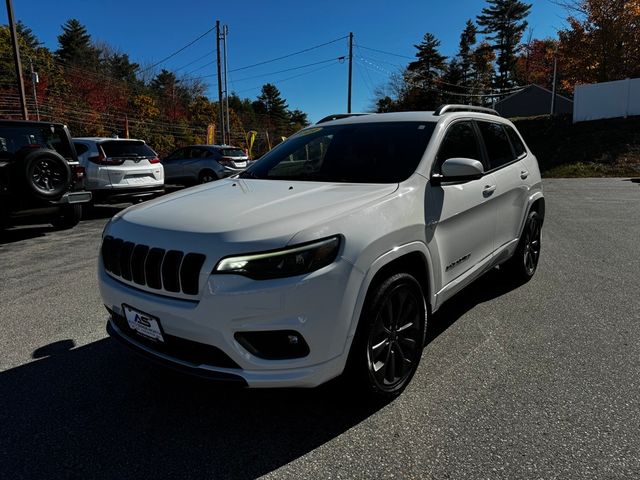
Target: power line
[
  {"x": 291, "y": 78},
  {"x": 288, "y": 55},
  {"x": 194, "y": 61},
  {"x": 177, "y": 51},
  {"x": 385, "y": 52},
  {"x": 279, "y": 71}
]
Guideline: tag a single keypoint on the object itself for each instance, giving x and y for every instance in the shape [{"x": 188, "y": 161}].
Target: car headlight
[{"x": 288, "y": 262}]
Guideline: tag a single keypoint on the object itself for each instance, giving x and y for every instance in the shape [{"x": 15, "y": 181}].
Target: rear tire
[
  {"x": 387, "y": 347},
  {"x": 521, "y": 267},
  {"x": 207, "y": 176},
  {"x": 68, "y": 217}
]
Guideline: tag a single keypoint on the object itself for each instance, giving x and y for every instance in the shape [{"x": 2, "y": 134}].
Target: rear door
[
  {"x": 509, "y": 173},
  {"x": 461, "y": 216},
  {"x": 173, "y": 166}
]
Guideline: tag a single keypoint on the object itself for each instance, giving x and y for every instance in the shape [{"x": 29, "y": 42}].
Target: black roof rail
[
  {"x": 338, "y": 116},
  {"x": 464, "y": 108}
]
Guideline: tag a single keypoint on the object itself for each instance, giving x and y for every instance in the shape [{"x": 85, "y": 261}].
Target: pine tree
[
  {"x": 465, "y": 54},
  {"x": 75, "y": 45},
  {"x": 430, "y": 63},
  {"x": 504, "y": 23},
  {"x": 421, "y": 75},
  {"x": 27, "y": 36},
  {"x": 271, "y": 104}
]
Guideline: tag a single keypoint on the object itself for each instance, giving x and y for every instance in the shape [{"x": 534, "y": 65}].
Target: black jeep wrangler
[{"x": 39, "y": 173}]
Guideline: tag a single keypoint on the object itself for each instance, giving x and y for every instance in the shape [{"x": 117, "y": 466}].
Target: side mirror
[{"x": 460, "y": 169}]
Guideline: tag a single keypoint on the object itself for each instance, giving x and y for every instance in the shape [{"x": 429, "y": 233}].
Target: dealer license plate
[{"x": 144, "y": 324}]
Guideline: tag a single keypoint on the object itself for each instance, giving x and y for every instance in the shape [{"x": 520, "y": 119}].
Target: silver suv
[{"x": 203, "y": 164}]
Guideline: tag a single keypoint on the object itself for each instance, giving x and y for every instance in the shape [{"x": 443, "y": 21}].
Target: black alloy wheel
[
  {"x": 521, "y": 267},
  {"x": 388, "y": 345},
  {"x": 531, "y": 253},
  {"x": 47, "y": 175}
]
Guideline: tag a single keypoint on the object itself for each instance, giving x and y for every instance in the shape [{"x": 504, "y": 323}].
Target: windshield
[
  {"x": 126, "y": 148},
  {"x": 354, "y": 153}
]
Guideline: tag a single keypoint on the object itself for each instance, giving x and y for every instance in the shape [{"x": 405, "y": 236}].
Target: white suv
[
  {"x": 329, "y": 254},
  {"x": 119, "y": 169}
]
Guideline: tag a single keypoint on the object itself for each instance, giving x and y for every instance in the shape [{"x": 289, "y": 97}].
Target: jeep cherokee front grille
[{"x": 156, "y": 268}]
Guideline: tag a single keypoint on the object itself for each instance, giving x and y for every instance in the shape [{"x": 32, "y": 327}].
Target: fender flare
[{"x": 376, "y": 266}]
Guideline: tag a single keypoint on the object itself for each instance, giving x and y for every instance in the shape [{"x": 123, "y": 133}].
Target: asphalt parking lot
[{"x": 542, "y": 381}]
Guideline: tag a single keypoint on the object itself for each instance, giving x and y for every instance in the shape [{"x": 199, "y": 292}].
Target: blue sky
[{"x": 261, "y": 30}]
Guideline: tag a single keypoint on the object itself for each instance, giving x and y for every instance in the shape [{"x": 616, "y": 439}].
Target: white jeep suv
[{"x": 329, "y": 254}]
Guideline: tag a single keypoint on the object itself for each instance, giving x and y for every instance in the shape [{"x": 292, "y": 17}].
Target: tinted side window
[
  {"x": 81, "y": 148},
  {"x": 460, "y": 141},
  {"x": 517, "y": 144},
  {"x": 497, "y": 144},
  {"x": 176, "y": 155}
]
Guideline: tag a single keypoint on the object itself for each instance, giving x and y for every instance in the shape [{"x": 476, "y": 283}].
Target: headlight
[{"x": 287, "y": 262}]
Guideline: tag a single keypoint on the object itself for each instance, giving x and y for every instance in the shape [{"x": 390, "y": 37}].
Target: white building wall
[{"x": 606, "y": 100}]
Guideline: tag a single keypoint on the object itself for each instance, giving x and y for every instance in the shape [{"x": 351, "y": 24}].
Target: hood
[{"x": 248, "y": 210}]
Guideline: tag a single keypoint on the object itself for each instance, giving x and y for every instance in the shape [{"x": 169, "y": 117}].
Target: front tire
[
  {"x": 388, "y": 344},
  {"x": 521, "y": 267}
]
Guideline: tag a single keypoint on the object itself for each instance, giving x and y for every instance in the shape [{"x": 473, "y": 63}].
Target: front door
[{"x": 461, "y": 216}]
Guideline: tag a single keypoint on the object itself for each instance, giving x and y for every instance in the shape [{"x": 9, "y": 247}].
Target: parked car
[
  {"x": 329, "y": 255},
  {"x": 39, "y": 173},
  {"x": 203, "y": 164},
  {"x": 119, "y": 170}
]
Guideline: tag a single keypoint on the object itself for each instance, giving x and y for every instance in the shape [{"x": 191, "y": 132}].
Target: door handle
[
  {"x": 524, "y": 174},
  {"x": 488, "y": 190}
]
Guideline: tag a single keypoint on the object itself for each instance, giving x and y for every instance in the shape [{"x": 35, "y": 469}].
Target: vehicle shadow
[
  {"x": 632, "y": 180},
  {"x": 97, "y": 212},
  {"x": 491, "y": 285},
  {"x": 24, "y": 232},
  {"x": 98, "y": 411}
]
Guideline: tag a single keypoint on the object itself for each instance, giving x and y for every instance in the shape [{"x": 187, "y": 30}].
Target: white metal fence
[{"x": 606, "y": 100}]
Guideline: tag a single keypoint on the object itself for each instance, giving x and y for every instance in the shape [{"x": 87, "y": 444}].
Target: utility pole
[
  {"x": 16, "y": 59},
  {"x": 225, "y": 30},
  {"x": 34, "y": 81},
  {"x": 350, "y": 70},
  {"x": 220, "y": 105},
  {"x": 553, "y": 88}
]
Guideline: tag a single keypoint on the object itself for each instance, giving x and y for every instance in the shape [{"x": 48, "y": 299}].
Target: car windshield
[
  {"x": 127, "y": 148},
  {"x": 15, "y": 139},
  {"x": 386, "y": 152}
]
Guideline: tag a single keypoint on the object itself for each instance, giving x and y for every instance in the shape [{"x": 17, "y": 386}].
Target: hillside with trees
[
  {"x": 100, "y": 91},
  {"x": 496, "y": 56}
]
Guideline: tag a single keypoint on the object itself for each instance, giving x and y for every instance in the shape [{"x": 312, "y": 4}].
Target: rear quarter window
[
  {"x": 517, "y": 144},
  {"x": 81, "y": 148}
]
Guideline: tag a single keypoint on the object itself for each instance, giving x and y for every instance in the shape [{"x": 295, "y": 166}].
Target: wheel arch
[
  {"x": 536, "y": 203},
  {"x": 413, "y": 258}
]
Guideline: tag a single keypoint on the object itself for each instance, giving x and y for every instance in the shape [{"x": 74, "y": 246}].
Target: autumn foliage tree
[{"x": 601, "y": 42}]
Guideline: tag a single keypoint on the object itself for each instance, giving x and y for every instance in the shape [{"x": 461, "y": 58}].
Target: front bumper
[{"x": 319, "y": 306}]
